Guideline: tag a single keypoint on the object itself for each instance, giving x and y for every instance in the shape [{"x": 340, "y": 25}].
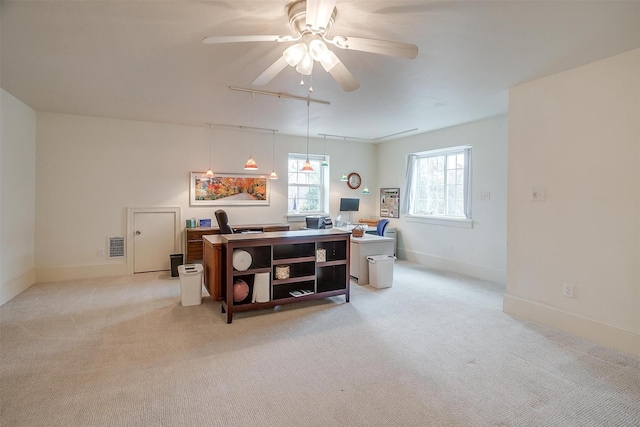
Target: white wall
[
  {"x": 576, "y": 135},
  {"x": 90, "y": 170},
  {"x": 479, "y": 251},
  {"x": 17, "y": 196}
]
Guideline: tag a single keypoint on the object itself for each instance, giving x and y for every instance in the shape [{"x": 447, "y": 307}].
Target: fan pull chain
[
  {"x": 311, "y": 83},
  {"x": 301, "y": 80}
]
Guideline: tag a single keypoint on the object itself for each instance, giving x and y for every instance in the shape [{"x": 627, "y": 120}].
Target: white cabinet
[
  {"x": 389, "y": 232},
  {"x": 361, "y": 247}
]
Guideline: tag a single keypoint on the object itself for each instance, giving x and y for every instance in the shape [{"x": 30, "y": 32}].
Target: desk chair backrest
[
  {"x": 382, "y": 226},
  {"x": 223, "y": 222}
]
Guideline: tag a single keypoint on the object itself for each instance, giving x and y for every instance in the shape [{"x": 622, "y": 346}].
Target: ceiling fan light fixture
[
  {"x": 305, "y": 66},
  {"x": 294, "y": 54},
  {"x": 317, "y": 49},
  {"x": 329, "y": 61}
]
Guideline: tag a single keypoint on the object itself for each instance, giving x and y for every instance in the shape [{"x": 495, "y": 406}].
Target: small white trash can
[
  {"x": 191, "y": 283},
  {"x": 381, "y": 270}
]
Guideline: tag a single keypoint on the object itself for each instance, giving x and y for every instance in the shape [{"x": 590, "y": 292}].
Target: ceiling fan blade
[
  {"x": 345, "y": 79},
  {"x": 319, "y": 12},
  {"x": 382, "y": 47},
  {"x": 273, "y": 70},
  {"x": 238, "y": 39}
]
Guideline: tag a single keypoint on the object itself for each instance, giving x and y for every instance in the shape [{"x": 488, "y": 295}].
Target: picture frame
[
  {"x": 229, "y": 189},
  {"x": 390, "y": 202}
]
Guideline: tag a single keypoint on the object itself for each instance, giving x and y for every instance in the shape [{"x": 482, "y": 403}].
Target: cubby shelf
[
  {"x": 277, "y": 282},
  {"x": 293, "y": 260},
  {"x": 296, "y": 249}
]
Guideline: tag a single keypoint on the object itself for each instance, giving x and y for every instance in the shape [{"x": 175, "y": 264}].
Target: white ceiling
[{"x": 144, "y": 60}]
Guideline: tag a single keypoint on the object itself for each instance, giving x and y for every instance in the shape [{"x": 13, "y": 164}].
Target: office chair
[
  {"x": 382, "y": 226},
  {"x": 223, "y": 222}
]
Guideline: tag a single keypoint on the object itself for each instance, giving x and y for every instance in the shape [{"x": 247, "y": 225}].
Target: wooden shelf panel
[
  {"x": 252, "y": 271},
  {"x": 330, "y": 263},
  {"x": 294, "y": 260},
  {"x": 277, "y": 282}
]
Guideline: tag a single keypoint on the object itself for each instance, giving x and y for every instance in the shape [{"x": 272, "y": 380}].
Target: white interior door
[{"x": 153, "y": 240}]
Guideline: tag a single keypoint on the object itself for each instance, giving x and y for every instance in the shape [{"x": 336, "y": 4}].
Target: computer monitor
[{"x": 349, "y": 205}]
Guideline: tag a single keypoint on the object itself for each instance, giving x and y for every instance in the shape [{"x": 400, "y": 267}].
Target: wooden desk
[
  {"x": 213, "y": 265},
  {"x": 193, "y": 236}
]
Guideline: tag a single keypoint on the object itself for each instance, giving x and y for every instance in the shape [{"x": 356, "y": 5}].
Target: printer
[{"x": 319, "y": 221}]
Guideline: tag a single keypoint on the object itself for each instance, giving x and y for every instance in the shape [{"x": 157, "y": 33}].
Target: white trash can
[
  {"x": 191, "y": 283},
  {"x": 381, "y": 270}
]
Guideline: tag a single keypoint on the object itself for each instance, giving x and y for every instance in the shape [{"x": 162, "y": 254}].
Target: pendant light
[
  {"x": 273, "y": 158},
  {"x": 209, "y": 174},
  {"x": 307, "y": 165},
  {"x": 251, "y": 164},
  {"x": 324, "y": 151},
  {"x": 365, "y": 190}
]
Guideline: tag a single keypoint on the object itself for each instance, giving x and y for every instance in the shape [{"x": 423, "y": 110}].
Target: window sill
[
  {"x": 438, "y": 220},
  {"x": 301, "y": 217}
]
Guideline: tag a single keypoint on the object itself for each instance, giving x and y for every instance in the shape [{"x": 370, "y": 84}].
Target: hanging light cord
[
  {"x": 308, "y": 130},
  {"x": 209, "y": 146},
  {"x": 251, "y": 124}
]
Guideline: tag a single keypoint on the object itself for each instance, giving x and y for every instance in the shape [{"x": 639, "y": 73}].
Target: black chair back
[{"x": 223, "y": 222}]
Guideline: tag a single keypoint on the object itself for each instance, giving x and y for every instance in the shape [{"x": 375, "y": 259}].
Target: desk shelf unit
[{"x": 296, "y": 250}]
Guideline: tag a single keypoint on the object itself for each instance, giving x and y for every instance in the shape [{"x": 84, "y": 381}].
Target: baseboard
[
  {"x": 80, "y": 272},
  {"x": 16, "y": 286},
  {"x": 443, "y": 264},
  {"x": 592, "y": 330}
]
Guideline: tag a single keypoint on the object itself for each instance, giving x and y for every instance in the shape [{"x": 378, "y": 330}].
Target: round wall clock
[{"x": 353, "y": 180}]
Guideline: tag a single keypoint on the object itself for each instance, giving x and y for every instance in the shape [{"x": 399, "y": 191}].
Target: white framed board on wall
[{"x": 390, "y": 202}]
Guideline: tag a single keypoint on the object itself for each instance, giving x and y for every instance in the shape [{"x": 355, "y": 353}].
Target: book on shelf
[{"x": 300, "y": 293}]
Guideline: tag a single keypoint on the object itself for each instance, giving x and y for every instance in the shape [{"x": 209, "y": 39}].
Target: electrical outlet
[
  {"x": 100, "y": 251},
  {"x": 567, "y": 290},
  {"x": 450, "y": 248}
]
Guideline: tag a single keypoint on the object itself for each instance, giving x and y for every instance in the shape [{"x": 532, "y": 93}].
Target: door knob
[{"x": 138, "y": 232}]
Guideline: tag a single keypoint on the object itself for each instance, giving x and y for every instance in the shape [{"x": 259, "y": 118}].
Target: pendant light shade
[
  {"x": 365, "y": 190},
  {"x": 344, "y": 178},
  {"x": 251, "y": 165},
  {"x": 306, "y": 167},
  {"x": 324, "y": 162}
]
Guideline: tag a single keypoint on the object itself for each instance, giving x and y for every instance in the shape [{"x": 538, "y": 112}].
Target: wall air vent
[{"x": 116, "y": 247}]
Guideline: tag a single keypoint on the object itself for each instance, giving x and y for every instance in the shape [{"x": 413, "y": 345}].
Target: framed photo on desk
[{"x": 227, "y": 189}]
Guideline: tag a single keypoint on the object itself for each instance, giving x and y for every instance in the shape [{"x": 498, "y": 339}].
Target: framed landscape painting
[{"x": 227, "y": 189}]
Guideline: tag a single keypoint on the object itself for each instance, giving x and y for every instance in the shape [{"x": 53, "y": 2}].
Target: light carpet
[{"x": 433, "y": 350}]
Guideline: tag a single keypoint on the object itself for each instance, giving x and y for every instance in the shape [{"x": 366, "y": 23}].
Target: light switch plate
[{"x": 537, "y": 194}]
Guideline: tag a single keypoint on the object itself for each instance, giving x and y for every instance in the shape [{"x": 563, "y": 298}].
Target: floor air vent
[{"x": 116, "y": 247}]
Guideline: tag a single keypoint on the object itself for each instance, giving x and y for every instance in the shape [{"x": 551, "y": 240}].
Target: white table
[{"x": 361, "y": 247}]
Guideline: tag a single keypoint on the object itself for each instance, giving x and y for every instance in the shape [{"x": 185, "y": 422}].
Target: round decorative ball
[{"x": 240, "y": 290}]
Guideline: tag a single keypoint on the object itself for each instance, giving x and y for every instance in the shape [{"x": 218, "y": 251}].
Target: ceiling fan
[{"x": 311, "y": 21}]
